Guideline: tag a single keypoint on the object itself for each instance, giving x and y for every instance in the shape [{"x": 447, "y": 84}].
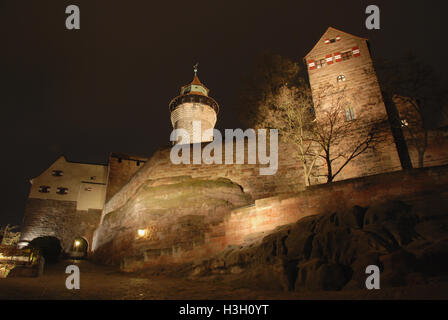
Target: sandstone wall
[
  {"x": 121, "y": 168},
  {"x": 202, "y": 239},
  {"x": 247, "y": 223},
  {"x": 173, "y": 215},
  {"x": 289, "y": 177},
  {"x": 359, "y": 90},
  {"x": 60, "y": 219}
]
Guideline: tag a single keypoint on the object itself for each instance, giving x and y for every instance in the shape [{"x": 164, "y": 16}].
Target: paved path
[{"x": 101, "y": 282}]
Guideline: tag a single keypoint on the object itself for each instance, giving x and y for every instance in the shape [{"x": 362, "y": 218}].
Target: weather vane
[{"x": 195, "y": 69}]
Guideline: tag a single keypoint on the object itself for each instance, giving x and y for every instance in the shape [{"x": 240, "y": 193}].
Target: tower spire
[{"x": 195, "y": 69}]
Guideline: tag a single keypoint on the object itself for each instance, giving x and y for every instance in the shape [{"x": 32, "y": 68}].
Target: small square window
[
  {"x": 321, "y": 63},
  {"x": 44, "y": 189},
  {"x": 349, "y": 113},
  {"x": 93, "y": 178},
  {"x": 57, "y": 173},
  {"x": 346, "y": 55},
  {"x": 62, "y": 190}
]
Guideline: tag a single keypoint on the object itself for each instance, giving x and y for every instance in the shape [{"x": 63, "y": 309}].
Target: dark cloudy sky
[{"x": 107, "y": 86}]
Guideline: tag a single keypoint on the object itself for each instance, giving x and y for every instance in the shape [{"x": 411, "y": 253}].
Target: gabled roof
[{"x": 324, "y": 36}]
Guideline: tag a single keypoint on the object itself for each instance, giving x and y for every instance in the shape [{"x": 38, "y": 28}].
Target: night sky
[{"x": 106, "y": 87}]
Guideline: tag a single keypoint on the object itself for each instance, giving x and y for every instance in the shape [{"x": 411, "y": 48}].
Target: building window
[
  {"x": 44, "y": 189},
  {"x": 404, "y": 123},
  {"x": 62, "y": 190},
  {"x": 57, "y": 173},
  {"x": 346, "y": 55},
  {"x": 88, "y": 189},
  {"x": 321, "y": 63},
  {"x": 341, "y": 78},
  {"x": 93, "y": 178},
  {"x": 349, "y": 113},
  {"x": 138, "y": 163}
]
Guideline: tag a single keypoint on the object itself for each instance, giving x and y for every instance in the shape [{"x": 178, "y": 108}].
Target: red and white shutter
[
  {"x": 327, "y": 41},
  {"x": 356, "y": 52},
  {"x": 329, "y": 59},
  {"x": 311, "y": 64},
  {"x": 337, "y": 57}
]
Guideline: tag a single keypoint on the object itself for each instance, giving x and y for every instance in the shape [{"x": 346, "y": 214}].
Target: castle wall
[
  {"x": 289, "y": 177},
  {"x": 121, "y": 168},
  {"x": 69, "y": 214},
  {"x": 249, "y": 224},
  {"x": 60, "y": 219}
]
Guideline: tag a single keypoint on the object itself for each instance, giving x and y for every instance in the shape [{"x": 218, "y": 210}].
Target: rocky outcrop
[
  {"x": 409, "y": 243},
  {"x": 174, "y": 214}
]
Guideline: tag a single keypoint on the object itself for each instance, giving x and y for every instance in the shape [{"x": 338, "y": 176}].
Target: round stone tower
[{"x": 193, "y": 110}]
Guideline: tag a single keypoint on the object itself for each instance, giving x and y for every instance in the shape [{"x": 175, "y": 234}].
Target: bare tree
[
  {"x": 290, "y": 111},
  {"x": 10, "y": 237},
  {"x": 341, "y": 137},
  {"x": 412, "y": 123},
  {"x": 414, "y": 89}
]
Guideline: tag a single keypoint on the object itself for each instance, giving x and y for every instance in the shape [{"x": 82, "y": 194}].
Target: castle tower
[
  {"x": 341, "y": 70},
  {"x": 194, "y": 105}
]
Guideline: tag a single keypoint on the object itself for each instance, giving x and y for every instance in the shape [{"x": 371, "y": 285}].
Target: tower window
[
  {"x": 44, "y": 189},
  {"x": 57, "y": 173},
  {"x": 341, "y": 78},
  {"x": 62, "y": 190},
  {"x": 346, "y": 55},
  {"x": 321, "y": 63},
  {"x": 349, "y": 113}
]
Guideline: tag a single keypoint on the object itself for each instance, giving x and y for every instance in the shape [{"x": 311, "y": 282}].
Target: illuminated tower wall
[{"x": 194, "y": 104}]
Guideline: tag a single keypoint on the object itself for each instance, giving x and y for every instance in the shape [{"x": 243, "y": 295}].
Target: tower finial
[{"x": 195, "y": 69}]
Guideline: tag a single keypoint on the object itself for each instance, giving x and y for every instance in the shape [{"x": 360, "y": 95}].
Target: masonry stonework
[
  {"x": 341, "y": 71},
  {"x": 59, "y": 219},
  {"x": 120, "y": 169}
]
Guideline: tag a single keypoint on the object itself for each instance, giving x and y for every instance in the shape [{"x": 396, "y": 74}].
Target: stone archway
[
  {"x": 79, "y": 248},
  {"x": 49, "y": 247}
]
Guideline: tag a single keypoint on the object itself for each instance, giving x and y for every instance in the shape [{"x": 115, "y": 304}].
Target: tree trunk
[
  {"x": 421, "y": 158},
  {"x": 329, "y": 170}
]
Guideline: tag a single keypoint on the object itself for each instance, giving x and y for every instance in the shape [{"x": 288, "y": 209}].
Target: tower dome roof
[
  {"x": 195, "y": 86},
  {"x": 195, "y": 92}
]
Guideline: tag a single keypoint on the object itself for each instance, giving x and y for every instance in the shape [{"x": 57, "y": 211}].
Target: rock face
[
  {"x": 173, "y": 214},
  {"x": 409, "y": 243}
]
